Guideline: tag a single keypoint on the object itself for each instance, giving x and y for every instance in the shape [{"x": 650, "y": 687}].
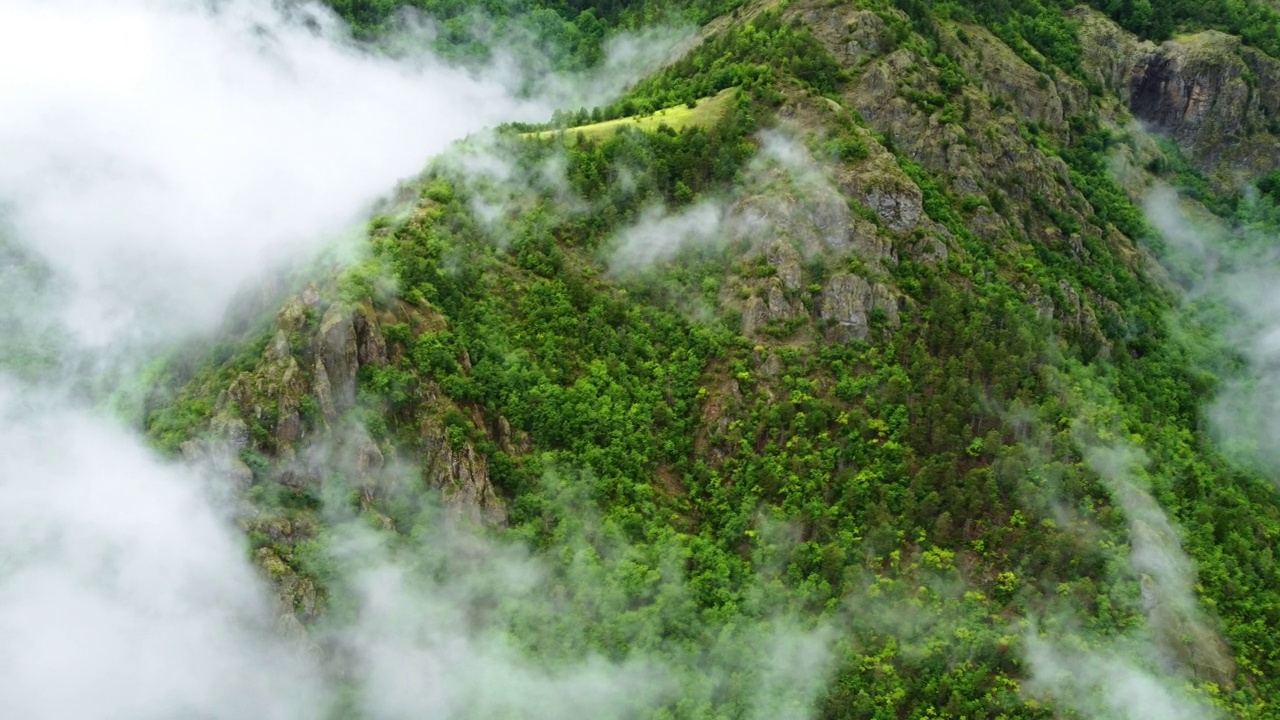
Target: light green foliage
[
  {"x": 704, "y": 113},
  {"x": 922, "y": 490}
]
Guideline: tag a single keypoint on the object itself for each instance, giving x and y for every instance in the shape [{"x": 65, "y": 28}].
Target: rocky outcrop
[
  {"x": 783, "y": 256},
  {"x": 461, "y": 473},
  {"x": 899, "y": 205},
  {"x": 337, "y": 360},
  {"x": 847, "y": 302},
  {"x": 1000, "y": 73},
  {"x": 1205, "y": 90},
  {"x": 219, "y": 453},
  {"x": 1193, "y": 88},
  {"x": 854, "y": 35},
  {"x": 297, "y": 596},
  {"x": 799, "y": 204},
  {"x": 300, "y": 390},
  {"x": 371, "y": 346},
  {"x": 767, "y": 310}
]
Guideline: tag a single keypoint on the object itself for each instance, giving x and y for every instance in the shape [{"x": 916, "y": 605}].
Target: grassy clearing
[{"x": 707, "y": 112}]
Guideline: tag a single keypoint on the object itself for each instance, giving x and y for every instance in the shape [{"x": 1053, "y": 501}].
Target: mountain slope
[{"x": 887, "y": 349}]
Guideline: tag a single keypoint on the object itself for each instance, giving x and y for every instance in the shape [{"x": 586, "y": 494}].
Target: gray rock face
[
  {"x": 462, "y": 474},
  {"x": 767, "y": 307},
  {"x": 1193, "y": 89},
  {"x": 371, "y": 346},
  {"x": 855, "y": 35},
  {"x": 865, "y": 35},
  {"x": 846, "y": 302},
  {"x": 338, "y": 357},
  {"x": 784, "y": 257},
  {"x": 306, "y": 359},
  {"x": 219, "y": 453},
  {"x": 899, "y": 208},
  {"x": 324, "y": 391},
  {"x": 1205, "y": 90}
]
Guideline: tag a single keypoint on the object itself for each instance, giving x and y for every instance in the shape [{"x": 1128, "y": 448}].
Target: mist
[
  {"x": 787, "y": 197},
  {"x": 1108, "y": 683},
  {"x": 1165, "y": 647},
  {"x": 160, "y": 154},
  {"x": 162, "y": 159},
  {"x": 123, "y": 591},
  {"x": 1231, "y": 277}
]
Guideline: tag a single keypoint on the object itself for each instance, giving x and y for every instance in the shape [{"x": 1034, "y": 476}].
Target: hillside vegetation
[
  {"x": 701, "y": 113},
  {"x": 865, "y": 328}
]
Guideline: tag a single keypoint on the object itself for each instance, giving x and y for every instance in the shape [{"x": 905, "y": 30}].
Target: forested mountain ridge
[{"x": 885, "y": 345}]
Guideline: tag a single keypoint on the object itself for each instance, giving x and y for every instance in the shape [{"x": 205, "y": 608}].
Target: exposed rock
[
  {"x": 288, "y": 431},
  {"x": 338, "y": 357},
  {"x": 296, "y": 594},
  {"x": 854, "y": 34},
  {"x": 878, "y": 183},
  {"x": 771, "y": 367},
  {"x": 512, "y": 442},
  {"x": 864, "y": 35},
  {"x": 371, "y": 346},
  {"x": 217, "y": 457},
  {"x": 767, "y": 306},
  {"x": 235, "y": 471},
  {"x": 462, "y": 474},
  {"x": 1193, "y": 88},
  {"x": 1108, "y": 52},
  {"x": 898, "y": 206},
  {"x": 231, "y": 431},
  {"x": 784, "y": 257},
  {"x": 846, "y": 302},
  {"x": 1000, "y": 73},
  {"x": 281, "y": 528},
  {"x": 875, "y": 94},
  {"x": 457, "y": 469},
  {"x": 754, "y": 315},
  {"x": 292, "y": 317},
  {"x": 504, "y": 436},
  {"x": 324, "y": 391},
  {"x": 797, "y": 201},
  {"x": 1213, "y": 96},
  {"x": 779, "y": 306}
]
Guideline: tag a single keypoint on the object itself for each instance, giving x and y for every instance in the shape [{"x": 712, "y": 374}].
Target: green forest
[{"x": 910, "y": 365}]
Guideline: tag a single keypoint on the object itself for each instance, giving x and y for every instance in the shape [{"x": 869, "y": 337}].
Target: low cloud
[
  {"x": 123, "y": 590},
  {"x": 1105, "y": 683},
  {"x": 659, "y": 235},
  {"x": 1231, "y": 278},
  {"x": 1142, "y": 673},
  {"x": 1146, "y": 667},
  {"x": 784, "y": 189},
  {"x": 159, "y": 156}
]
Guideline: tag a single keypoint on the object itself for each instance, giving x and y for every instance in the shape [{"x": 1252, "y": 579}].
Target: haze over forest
[{"x": 653, "y": 359}]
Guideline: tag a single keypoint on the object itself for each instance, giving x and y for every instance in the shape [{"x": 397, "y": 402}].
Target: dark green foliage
[
  {"x": 1086, "y": 154},
  {"x": 751, "y": 56},
  {"x": 1256, "y": 22},
  {"x": 935, "y": 467},
  {"x": 1042, "y": 27},
  {"x": 570, "y": 33}
]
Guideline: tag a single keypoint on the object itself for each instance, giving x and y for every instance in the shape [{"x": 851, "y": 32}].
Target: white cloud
[
  {"x": 658, "y": 234},
  {"x": 158, "y": 154},
  {"x": 123, "y": 593}
]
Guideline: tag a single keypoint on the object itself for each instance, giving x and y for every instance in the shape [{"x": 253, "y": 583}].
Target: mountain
[{"x": 855, "y": 363}]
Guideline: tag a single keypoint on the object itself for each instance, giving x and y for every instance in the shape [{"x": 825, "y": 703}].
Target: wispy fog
[
  {"x": 1233, "y": 281},
  {"x": 159, "y": 156},
  {"x": 123, "y": 593}
]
